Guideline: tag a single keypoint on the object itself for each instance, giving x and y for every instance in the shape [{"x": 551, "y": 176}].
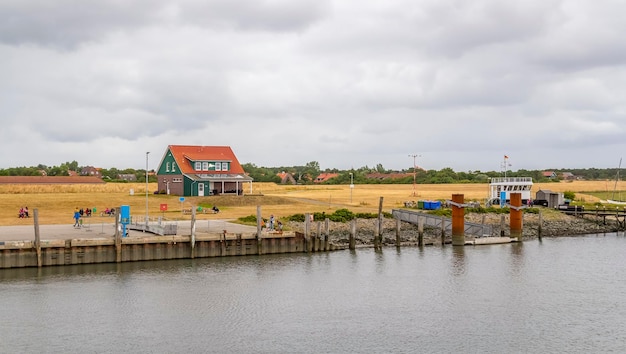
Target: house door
[{"x": 200, "y": 189}]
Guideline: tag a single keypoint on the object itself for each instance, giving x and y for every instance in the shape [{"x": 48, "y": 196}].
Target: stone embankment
[{"x": 553, "y": 225}]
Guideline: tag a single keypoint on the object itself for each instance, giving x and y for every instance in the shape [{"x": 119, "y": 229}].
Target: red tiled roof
[
  {"x": 323, "y": 177},
  {"x": 184, "y": 153},
  {"x": 50, "y": 180}
]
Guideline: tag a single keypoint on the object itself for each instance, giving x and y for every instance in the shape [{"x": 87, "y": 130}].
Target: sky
[{"x": 346, "y": 83}]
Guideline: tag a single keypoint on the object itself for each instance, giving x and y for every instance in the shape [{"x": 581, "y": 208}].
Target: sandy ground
[{"x": 104, "y": 230}]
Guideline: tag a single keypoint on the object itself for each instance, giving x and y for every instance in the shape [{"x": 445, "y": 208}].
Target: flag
[{"x": 506, "y": 157}]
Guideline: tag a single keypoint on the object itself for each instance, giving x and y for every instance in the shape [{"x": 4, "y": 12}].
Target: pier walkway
[{"x": 103, "y": 230}]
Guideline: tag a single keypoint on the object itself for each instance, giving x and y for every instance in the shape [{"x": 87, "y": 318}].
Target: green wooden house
[{"x": 189, "y": 170}]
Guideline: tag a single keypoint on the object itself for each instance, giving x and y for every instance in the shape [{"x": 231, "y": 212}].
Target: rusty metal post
[
  {"x": 516, "y": 216},
  {"x": 458, "y": 220}
]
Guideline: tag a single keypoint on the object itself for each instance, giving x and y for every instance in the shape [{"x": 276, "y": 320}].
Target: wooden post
[
  {"x": 420, "y": 231},
  {"x": 376, "y": 225},
  {"x": 307, "y": 232},
  {"x": 379, "y": 236},
  {"x": 398, "y": 225},
  {"x": 352, "y": 243},
  {"x": 540, "y": 226},
  {"x": 259, "y": 240},
  {"x": 326, "y": 234},
  {"x": 502, "y": 223},
  {"x": 118, "y": 239},
  {"x": 458, "y": 220},
  {"x": 516, "y": 216},
  {"x": 37, "y": 236},
  {"x": 193, "y": 233}
]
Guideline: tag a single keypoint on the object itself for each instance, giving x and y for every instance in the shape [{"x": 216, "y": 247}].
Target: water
[{"x": 559, "y": 295}]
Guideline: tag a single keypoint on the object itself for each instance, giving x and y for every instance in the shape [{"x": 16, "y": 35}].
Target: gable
[{"x": 193, "y": 159}]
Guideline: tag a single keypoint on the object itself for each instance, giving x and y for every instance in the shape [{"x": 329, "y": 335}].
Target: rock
[{"x": 557, "y": 225}]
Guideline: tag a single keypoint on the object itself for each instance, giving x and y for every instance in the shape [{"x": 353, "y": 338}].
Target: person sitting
[
  {"x": 26, "y": 212},
  {"x": 21, "y": 213},
  {"x": 215, "y": 210}
]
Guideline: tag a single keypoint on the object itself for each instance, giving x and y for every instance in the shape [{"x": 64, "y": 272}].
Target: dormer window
[
  {"x": 218, "y": 166},
  {"x": 205, "y": 166},
  {"x": 198, "y": 166},
  {"x": 167, "y": 167}
]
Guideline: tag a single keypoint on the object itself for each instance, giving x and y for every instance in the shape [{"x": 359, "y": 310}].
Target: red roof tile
[{"x": 184, "y": 153}]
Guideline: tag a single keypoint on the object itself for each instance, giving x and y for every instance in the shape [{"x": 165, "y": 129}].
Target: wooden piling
[
  {"x": 502, "y": 223},
  {"x": 118, "y": 239},
  {"x": 351, "y": 241},
  {"x": 379, "y": 236},
  {"x": 398, "y": 224},
  {"x": 458, "y": 220},
  {"x": 540, "y": 226},
  {"x": 259, "y": 230},
  {"x": 307, "y": 232},
  {"x": 516, "y": 216},
  {"x": 37, "y": 236},
  {"x": 326, "y": 234},
  {"x": 420, "y": 231},
  {"x": 192, "y": 242}
]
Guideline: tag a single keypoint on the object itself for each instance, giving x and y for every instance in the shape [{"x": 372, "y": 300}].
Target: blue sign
[
  {"x": 502, "y": 199},
  {"x": 181, "y": 199}
]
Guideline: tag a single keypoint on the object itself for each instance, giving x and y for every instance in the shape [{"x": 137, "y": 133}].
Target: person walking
[{"x": 76, "y": 217}]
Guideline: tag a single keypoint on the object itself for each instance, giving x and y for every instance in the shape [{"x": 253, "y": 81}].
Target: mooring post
[
  {"x": 458, "y": 220},
  {"x": 37, "y": 236},
  {"x": 540, "y": 226},
  {"x": 352, "y": 243},
  {"x": 379, "y": 236},
  {"x": 307, "y": 232},
  {"x": 192, "y": 240},
  {"x": 326, "y": 234},
  {"x": 516, "y": 216},
  {"x": 259, "y": 240},
  {"x": 398, "y": 225},
  {"x": 502, "y": 223},
  {"x": 420, "y": 231},
  {"x": 118, "y": 240}
]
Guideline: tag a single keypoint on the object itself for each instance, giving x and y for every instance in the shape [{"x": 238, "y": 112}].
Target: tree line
[{"x": 306, "y": 174}]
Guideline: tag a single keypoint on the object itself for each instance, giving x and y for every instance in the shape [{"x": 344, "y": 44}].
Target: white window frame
[
  {"x": 218, "y": 166},
  {"x": 205, "y": 166},
  {"x": 167, "y": 167},
  {"x": 197, "y": 166}
]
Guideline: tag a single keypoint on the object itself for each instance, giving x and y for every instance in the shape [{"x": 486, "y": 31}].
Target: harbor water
[{"x": 552, "y": 296}]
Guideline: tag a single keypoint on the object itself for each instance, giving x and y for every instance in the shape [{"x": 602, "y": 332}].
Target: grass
[{"x": 56, "y": 203}]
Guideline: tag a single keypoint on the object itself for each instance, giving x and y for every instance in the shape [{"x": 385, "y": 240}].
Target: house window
[
  {"x": 205, "y": 166},
  {"x": 173, "y": 167},
  {"x": 167, "y": 167},
  {"x": 218, "y": 166},
  {"x": 198, "y": 166},
  {"x": 225, "y": 166},
  {"x": 177, "y": 180}
]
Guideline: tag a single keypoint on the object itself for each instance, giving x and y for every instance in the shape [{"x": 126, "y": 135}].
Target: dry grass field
[{"x": 56, "y": 203}]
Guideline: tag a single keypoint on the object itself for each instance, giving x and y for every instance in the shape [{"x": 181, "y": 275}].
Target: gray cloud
[{"x": 344, "y": 83}]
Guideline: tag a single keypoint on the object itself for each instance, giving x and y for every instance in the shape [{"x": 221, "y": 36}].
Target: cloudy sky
[{"x": 346, "y": 83}]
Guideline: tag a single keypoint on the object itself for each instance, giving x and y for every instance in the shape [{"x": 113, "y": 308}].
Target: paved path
[{"x": 103, "y": 230}]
